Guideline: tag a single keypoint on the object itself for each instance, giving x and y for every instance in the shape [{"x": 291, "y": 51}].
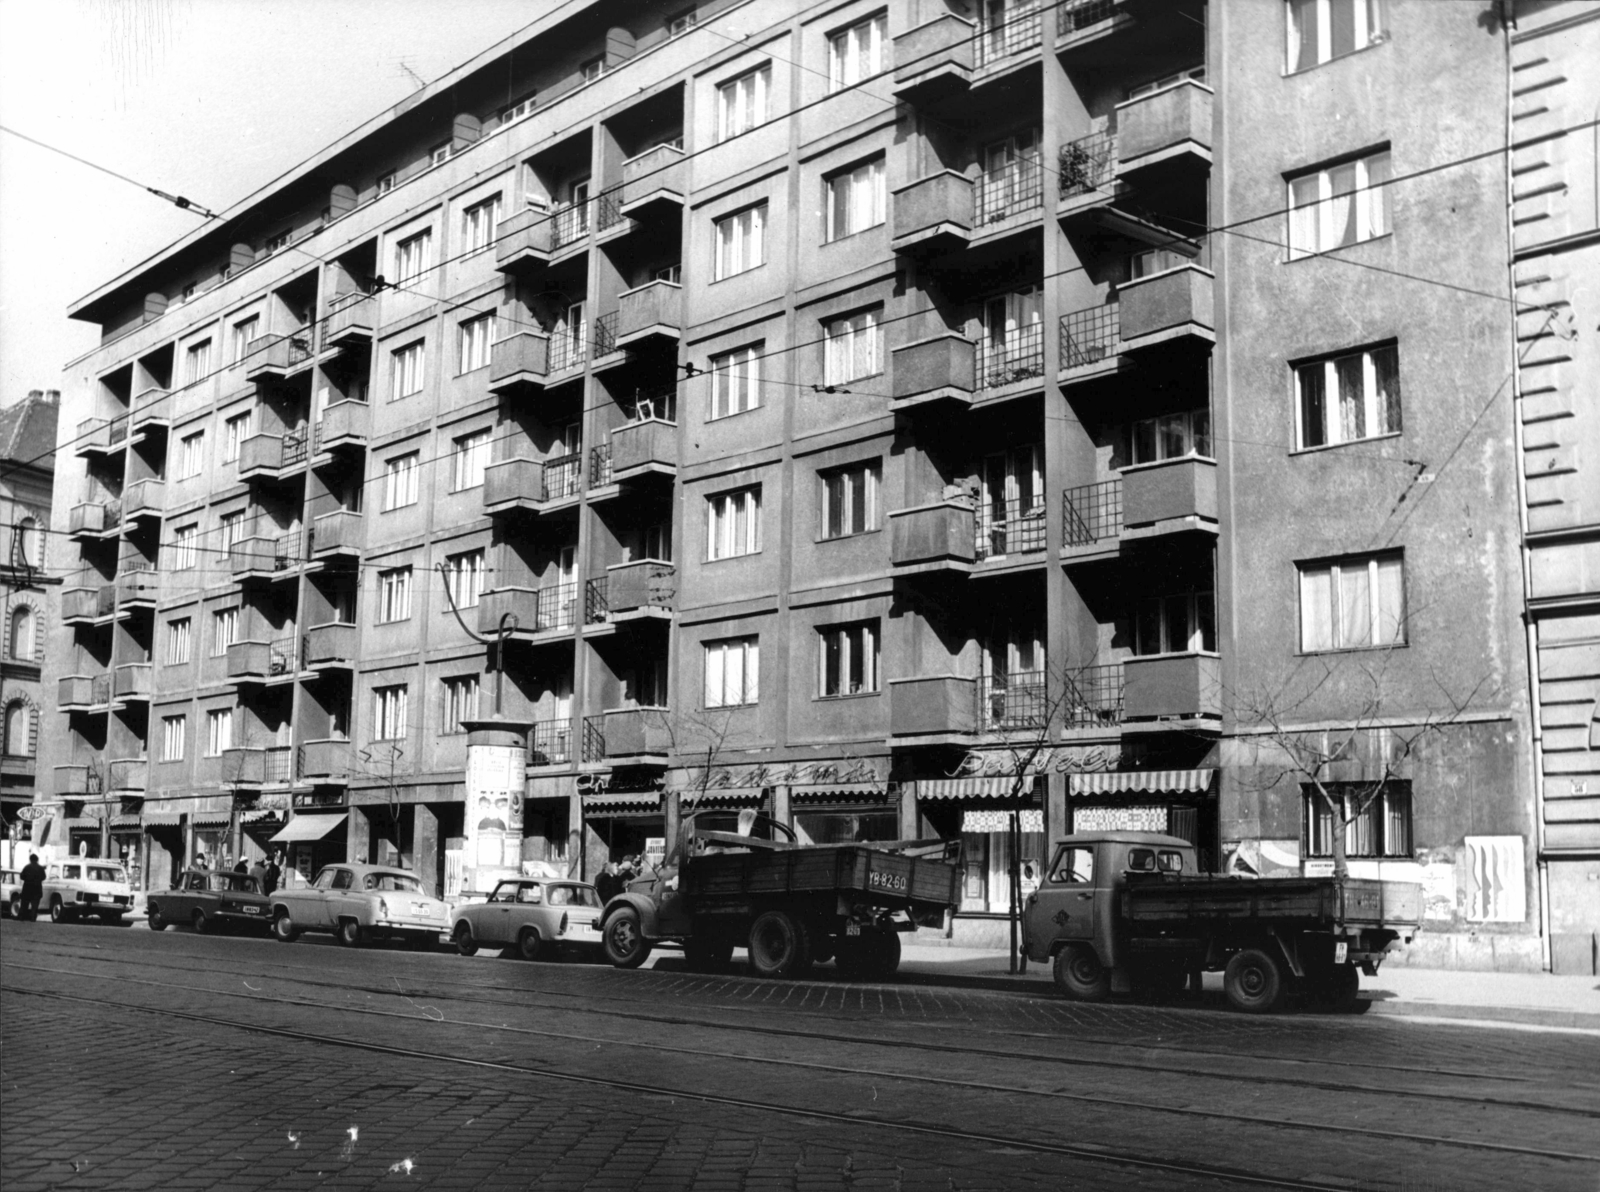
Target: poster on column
[{"x": 493, "y": 819}]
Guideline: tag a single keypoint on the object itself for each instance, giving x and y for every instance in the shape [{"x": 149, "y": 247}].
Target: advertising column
[{"x": 497, "y": 759}]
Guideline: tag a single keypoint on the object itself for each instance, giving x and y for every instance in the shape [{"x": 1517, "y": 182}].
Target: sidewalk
[{"x": 1530, "y": 999}]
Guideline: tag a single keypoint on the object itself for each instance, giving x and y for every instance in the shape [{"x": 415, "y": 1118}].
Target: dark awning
[
  {"x": 860, "y": 792},
  {"x": 600, "y": 806}
]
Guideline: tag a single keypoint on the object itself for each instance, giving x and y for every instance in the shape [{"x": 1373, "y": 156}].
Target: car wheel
[
  {"x": 1253, "y": 982},
  {"x": 623, "y": 937},
  {"x": 58, "y": 913},
  {"x": 779, "y": 945},
  {"x": 1080, "y": 975},
  {"x": 199, "y": 922},
  {"x": 463, "y": 940},
  {"x": 157, "y": 921},
  {"x": 529, "y": 945},
  {"x": 283, "y": 928},
  {"x": 16, "y": 906},
  {"x": 350, "y": 934}
]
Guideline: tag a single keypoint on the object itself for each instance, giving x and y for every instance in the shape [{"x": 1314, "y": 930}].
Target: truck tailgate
[{"x": 1320, "y": 900}]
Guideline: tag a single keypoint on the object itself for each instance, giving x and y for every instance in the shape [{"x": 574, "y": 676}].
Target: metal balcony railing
[
  {"x": 594, "y": 739},
  {"x": 295, "y": 446},
  {"x": 557, "y": 608},
  {"x": 608, "y": 210},
  {"x": 281, "y": 656},
  {"x": 1090, "y": 336},
  {"x": 1076, "y": 15},
  {"x": 658, "y": 401},
  {"x": 550, "y": 742},
  {"x": 100, "y": 689},
  {"x": 1015, "y": 29},
  {"x": 600, "y": 466},
  {"x": 1012, "y": 356},
  {"x": 1087, "y": 164},
  {"x": 1013, "y": 703},
  {"x": 1008, "y": 192},
  {"x": 1093, "y": 697},
  {"x": 277, "y": 765},
  {"x": 569, "y": 223},
  {"x": 563, "y": 476},
  {"x": 596, "y": 610},
  {"x": 568, "y": 347},
  {"x": 603, "y": 339},
  {"x": 1010, "y": 527},
  {"x": 1091, "y": 513}
]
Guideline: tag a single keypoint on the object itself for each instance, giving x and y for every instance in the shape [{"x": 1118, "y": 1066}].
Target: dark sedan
[{"x": 209, "y": 901}]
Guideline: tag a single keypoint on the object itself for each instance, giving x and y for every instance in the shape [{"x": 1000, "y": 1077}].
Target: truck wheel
[
  {"x": 779, "y": 945},
  {"x": 58, "y": 913},
  {"x": 350, "y": 933},
  {"x": 1080, "y": 975},
  {"x": 529, "y": 944},
  {"x": 283, "y": 928},
  {"x": 157, "y": 920},
  {"x": 1253, "y": 982},
  {"x": 708, "y": 956},
  {"x": 623, "y": 939},
  {"x": 463, "y": 940}
]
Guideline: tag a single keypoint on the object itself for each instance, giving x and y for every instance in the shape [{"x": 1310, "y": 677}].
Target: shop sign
[
  {"x": 33, "y": 811},
  {"x": 655, "y": 850},
  {"x": 1059, "y": 759},
  {"x": 716, "y": 778},
  {"x": 314, "y": 800},
  {"x": 600, "y": 784},
  {"x": 1119, "y": 819}
]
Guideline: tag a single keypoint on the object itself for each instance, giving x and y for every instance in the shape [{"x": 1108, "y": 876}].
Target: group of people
[
  {"x": 614, "y": 878},
  {"x": 266, "y": 871}
]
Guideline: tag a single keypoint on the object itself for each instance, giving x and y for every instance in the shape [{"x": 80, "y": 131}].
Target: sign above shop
[
  {"x": 700, "y": 778},
  {"x": 1058, "y": 759},
  {"x": 33, "y": 812}
]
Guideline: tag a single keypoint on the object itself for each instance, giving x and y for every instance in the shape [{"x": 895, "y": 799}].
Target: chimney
[{"x": 35, "y": 394}]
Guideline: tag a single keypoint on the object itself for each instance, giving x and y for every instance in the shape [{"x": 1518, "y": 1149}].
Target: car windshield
[
  {"x": 505, "y": 892},
  {"x": 232, "y": 881},
  {"x": 404, "y": 883},
  {"x": 573, "y": 896},
  {"x": 104, "y": 873},
  {"x": 1172, "y": 862}
]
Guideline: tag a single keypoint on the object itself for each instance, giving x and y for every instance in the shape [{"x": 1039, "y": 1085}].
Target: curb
[{"x": 1509, "y": 1015}]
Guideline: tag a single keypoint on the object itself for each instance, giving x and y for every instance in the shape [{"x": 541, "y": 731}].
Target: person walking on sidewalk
[
  {"x": 258, "y": 874},
  {"x": 32, "y": 888},
  {"x": 272, "y": 876}
]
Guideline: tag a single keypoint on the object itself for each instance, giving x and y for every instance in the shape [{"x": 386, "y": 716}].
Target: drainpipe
[{"x": 1531, "y": 627}]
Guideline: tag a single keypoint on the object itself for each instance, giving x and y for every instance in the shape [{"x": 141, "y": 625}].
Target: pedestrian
[
  {"x": 273, "y": 874},
  {"x": 32, "y": 888},
  {"x": 605, "y": 882},
  {"x": 258, "y": 875},
  {"x": 242, "y": 866}
]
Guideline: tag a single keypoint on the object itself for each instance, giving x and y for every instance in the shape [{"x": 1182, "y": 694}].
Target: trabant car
[
  {"x": 208, "y": 900},
  {"x": 358, "y": 903},
  {"x": 11, "y": 892},
  {"x": 541, "y": 919},
  {"x": 85, "y": 886}
]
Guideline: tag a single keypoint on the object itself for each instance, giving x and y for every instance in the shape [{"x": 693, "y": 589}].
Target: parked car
[
  {"x": 538, "y": 918},
  {"x": 358, "y": 903},
  {"x": 208, "y": 900},
  {"x": 86, "y": 886},
  {"x": 11, "y": 892}
]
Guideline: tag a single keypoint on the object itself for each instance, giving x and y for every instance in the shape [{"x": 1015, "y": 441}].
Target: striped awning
[
  {"x": 162, "y": 819},
  {"x": 257, "y": 815},
  {"x": 1003, "y": 787},
  {"x": 211, "y": 819},
  {"x": 644, "y": 803},
  {"x": 861, "y": 792},
  {"x": 1172, "y": 782},
  {"x": 749, "y": 796},
  {"x": 127, "y": 821}
]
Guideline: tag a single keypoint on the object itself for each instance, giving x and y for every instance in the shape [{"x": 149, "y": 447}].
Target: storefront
[
  {"x": 84, "y": 836},
  {"x": 127, "y": 840},
  {"x": 622, "y": 825},
  {"x": 842, "y": 814},
  {"x": 1179, "y": 803},
  {"x": 211, "y": 842},
  {"x": 164, "y": 846},
  {"x": 997, "y": 820},
  {"x": 313, "y": 839}
]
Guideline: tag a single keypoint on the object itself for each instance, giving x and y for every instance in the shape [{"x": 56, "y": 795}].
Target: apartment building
[{"x": 845, "y": 413}]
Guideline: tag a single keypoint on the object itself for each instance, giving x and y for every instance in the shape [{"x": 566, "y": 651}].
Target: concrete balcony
[
  {"x": 935, "y": 212},
  {"x": 263, "y": 557},
  {"x": 144, "y": 499},
  {"x": 77, "y": 780},
  {"x": 638, "y": 735},
  {"x": 83, "y": 693},
  {"x": 1170, "y": 497},
  {"x": 261, "y": 660},
  {"x": 278, "y": 357},
  {"x": 651, "y": 310},
  {"x": 639, "y": 448},
  {"x": 336, "y": 533},
  {"x": 128, "y": 774},
  {"x": 1170, "y": 309},
  {"x": 943, "y": 367},
  {"x": 518, "y": 360},
  {"x": 132, "y": 682},
  {"x": 939, "y": 57},
  {"x": 272, "y": 456},
  {"x": 331, "y": 646},
  {"x": 548, "y": 612},
  {"x": 101, "y": 437},
  {"x": 523, "y": 240},
  {"x": 137, "y": 587},
  {"x": 95, "y": 519},
  {"x": 324, "y": 760},
  {"x": 513, "y": 484},
  {"x": 1170, "y": 127},
  {"x": 934, "y": 537},
  {"x": 641, "y": 589},
  {"x": 152, "y": 413},
  {"x": 654, "y": 178},
  {"x": 350, "y": 321},
  {"x": 86, "y": 605},
  {"x": 344, "y": 427},
  {"x": 1170, "y": 687},
  {"x": 937, "y": 709}
]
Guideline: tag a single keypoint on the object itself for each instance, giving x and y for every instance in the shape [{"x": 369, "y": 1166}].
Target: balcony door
[
  {"x": 1010, "y": 338},
  {"x": 1011, "y": 176},
  {"x": 1014, "y": 679},
  {"x": 1011, "y": 516}
]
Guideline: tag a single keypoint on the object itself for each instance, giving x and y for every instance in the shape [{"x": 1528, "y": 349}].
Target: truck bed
[
  {"x": 1303, "y": 901},
  {"x": 882, "y": 877}
]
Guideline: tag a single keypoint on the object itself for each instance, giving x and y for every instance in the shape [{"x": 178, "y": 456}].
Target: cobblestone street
[{"x": 134, "y": 1060}]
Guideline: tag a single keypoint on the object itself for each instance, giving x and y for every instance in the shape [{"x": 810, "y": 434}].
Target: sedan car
[
  {"x": 538, "y": 918},
  {"x": 208, "y": 900},
  {"x": 83, "y": 887},
  {"x": 358, "y": 903}
]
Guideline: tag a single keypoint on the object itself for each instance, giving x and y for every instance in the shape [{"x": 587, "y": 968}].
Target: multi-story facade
[{"x": 842, "y": 412}]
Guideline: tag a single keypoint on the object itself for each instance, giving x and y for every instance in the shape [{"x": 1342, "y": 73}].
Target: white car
[
  {"x": 358, "y": 903},
  {"x": 86, "y": 886}
]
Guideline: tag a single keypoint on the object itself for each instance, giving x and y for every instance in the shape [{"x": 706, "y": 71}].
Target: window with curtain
[
  {"x": 174, "y": 730},
  {"x": 23, "y": 626},
  {"x": 858, "y": 52},
  {"x": 234, "y": 432},
  {"x": 1171, "y": 436},
  {"x": 857, "y": 199},
  {"x": 185, "y": 547},
  {"x": 406, "y": 374},
  {"x": 224, "y": 630},
  {"x": 178, "y": 636},
  {"x": 847, "y": 659},
  {"x": 464, "y": 573},
  {"x": 1319, "y": 31},
  {"x": 389, "y": 719},
  {"x": 1355, "y": 603},
  {"x": 191, "y": 455},
  {"x": 400, "y": 480},
  {"x": 1180, "y": 623},
  {"x": 1339, "y": 205},
  {"x": 733, "y": 672},
  {"x": 470, "y": 458},
  {"x": 219, "y": 731},
  {"x": 476, "y": 337},
  {"x": 850, "y": 499},
  {"x": 853, "y": 348},
  {"x": 1345, "y": 398},
  {"x": 733, "y": 523},
  {"x": 394, "y": 595},
  {"x": 245, "y": 332},
  {"x": 478, "y": 223},
  {"x": 742, "y": 102},
  {"x": 741, "y": 241},
  {"x": 735, "y": 381},
  {"x": 411, "y": 256},
  {"x": 460, "y": 703},
  {"x": 1377, "y": 822},
  {"x": 198, "y": 361}
]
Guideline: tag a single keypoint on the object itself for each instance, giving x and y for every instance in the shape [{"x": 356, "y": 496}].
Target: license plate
[
  {"x": 852, "y": 929},
  {"x": 251, "y": 910},
  {"x": 579, "y": 932},
  {"x": 1341, "y": 951},
  {"x": 423, "y": 909}
]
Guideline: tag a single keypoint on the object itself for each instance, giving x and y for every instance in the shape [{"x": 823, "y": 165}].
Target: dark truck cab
[{"x": 1127, "y": 911}]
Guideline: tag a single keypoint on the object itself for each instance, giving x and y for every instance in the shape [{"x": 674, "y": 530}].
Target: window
[
  {"x": 733, "y": 523},
  {"x": 464, "y": 573},
  {"x": 274, "y": 243},
  {"x": 857, "y": 200},
  {"x": 394, "y": 595},
  {"x": 23, "y": 626},
  {"x": 385, "y": 183},
  {"x": 850, "y": 499},
  {"x": 733, "y": 672},
  {"x": 735, "y": 381},
  {"x": 1148, "y": 261},
  {"x": 18, "y": 734},
  {"x": 478, "y": 223},
  {"x": 439, "y": 154},
  {"x": 177, "y": 640},
  {"x": 1013, "y": 177},
  {"x": 1011, "y": 516},
  {"x": 679, "y": 25},
  {"x": 1321, "y": 30},
  {"x": 189, "y": 291},
  {"x": 858, "y": 52},
  {"x": 476, "y": 336},
  {"x": 513, "y": 112},
  {"x": 173, "y": 731},
  {"x": 400, "y": 480},
  {"x": 1377, "y": 821},
  {"x": 198, "y": 361},
  {"x": 230, "y": 527},
  {"x": 671, "y": 273},
  {"x": 1352, "y": 604},
  {"x": 1074, "y": 866},
  {"x": 742, "y": 103},
  {"x": 1197, "y": 73},
  {"x": 411, "y": 257},
  {"x": 848, "y": 659},
  {"x": 1010, "y": 338},
  {"x": 741, "y": 241},
  {"x": 224, "y": 630},
  {"x": 407, "y": 374},
  {"x": 234, "y": 432},
  {"x": 854, "y": 348},
  {"x": 1339, "y": 205},
  {"x": 191, "y": 455},
  {"x": 471, "y": 457},
  {"x": 185, "y": 553},
  {"x": 244, "y": 332},
  {"x": 389, "y": 712},
  {"x": 1346, "y": 398},
  {"x": 460, "y": 703},
  {"x": 219, "y": 731},
  {"x": 1180, "y": 623},
  {"x": 1171, "y": 436}
]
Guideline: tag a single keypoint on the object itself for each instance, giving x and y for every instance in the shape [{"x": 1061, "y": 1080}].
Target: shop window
[
  {"x": 846, "y": 825},
  {"x": 987, "y": 850}
]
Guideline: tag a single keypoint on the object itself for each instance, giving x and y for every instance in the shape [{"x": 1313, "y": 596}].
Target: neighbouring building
[{"x": 935, "y": 420}]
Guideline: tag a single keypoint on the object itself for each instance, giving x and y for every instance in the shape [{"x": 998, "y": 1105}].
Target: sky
[{"x": 204, "y": 98}]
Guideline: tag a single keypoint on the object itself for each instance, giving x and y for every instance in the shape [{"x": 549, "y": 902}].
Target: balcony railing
[
  {"x": 594, "y": 739},
  {"x": 600, "y": 466},
  {"x": 557, "y": 608},
  {"x": 1016, "y": 356},
  {"x": 563, "y": 476},
  {"x": 296, "y": 443},
  {"x": 1091, "y": 513},
  {"x": 334, "y": 641},
  {"x": 1010, "y": 192},
  {"x": 95, "y": 517},
  {"x": 550, "y": 742},
  {"x": 608, "y": 210},
  {"x": 350, "y": 318},
  {"x": 603, "y": 338},
  {"x": 596, "y": 607},
  {"x": 324, "y": 759},
  {"x": 343, "y": 424},
  {"x": 100, "y": 690},
  {"x": 1093, "y": 697},
  {"x": 1017, "y": 702},
  {"x": 127, "y": 774},
  {"x": 1010, "y": 527},
  {"x": 1090, "y": 336},
  {"x": 1076, "y": 15},
  {"x": 1087, "y": 164},
  {"x": 569, "y": 223},
  {"x": 1015, "y": 31},
  {"x": 569, "y": 348}
]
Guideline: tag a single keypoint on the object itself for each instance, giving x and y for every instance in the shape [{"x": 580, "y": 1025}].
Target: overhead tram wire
[{"x": 178, "y": 201}]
